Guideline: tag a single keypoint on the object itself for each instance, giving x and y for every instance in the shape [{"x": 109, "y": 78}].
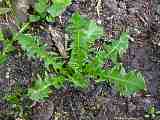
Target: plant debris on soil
[{"x": 140, "y": 18}]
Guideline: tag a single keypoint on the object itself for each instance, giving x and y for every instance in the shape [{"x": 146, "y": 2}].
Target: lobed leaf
[
  {"x": 35, "y": 49},
  {"x": 58, "y": 7},
  {"x": 41, "y": 88},
  {"x": 125, "y": 83},
  {"x": 41, "y": 6},
  {"x": 117, "y": 47},
  {"x": 83, "y": 33},
  {"x": 39, "y": 91}
]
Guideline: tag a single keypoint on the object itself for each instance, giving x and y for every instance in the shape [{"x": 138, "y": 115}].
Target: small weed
[
  {"x": 83, "y": 33},
  {"x": 82, "y": 64}
]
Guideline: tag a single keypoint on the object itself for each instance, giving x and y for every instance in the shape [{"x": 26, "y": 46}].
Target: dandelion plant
[{"x": 83, "y": 33}]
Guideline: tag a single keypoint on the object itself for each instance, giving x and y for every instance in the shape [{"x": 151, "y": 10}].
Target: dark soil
[{"x": 99, "y": 102}]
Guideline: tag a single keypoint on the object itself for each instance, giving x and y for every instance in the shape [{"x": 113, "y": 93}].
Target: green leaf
[
  {"x": 40, "y": 91},
  {"x": 12, "y": 99},
  {"x": 34, "y": 18},
  {"x": 35, "y": 48},
  {"x": 58, "y": 7},
  {"x": 57, "y": 81},
  {"x": 79, "y": 80},
  {"x": 3, "y": 58},
  {"x": 117, "y": 47},
  {"x": 125, "y": 83},
  {"x": 41, "y": 88},
  {"x": 1, "y": 35},
  {"x": 7, "y": 48},
  {"x": 111, "y": 51},
  {"x": 41, "y": 6},
  {"x": 83, "y": 33},
  {"x": 50, "y": 18}
]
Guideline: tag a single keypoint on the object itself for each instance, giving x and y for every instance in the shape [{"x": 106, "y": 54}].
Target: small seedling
[
  {"x": 84, "y": 63},
  {"x": 83, "y": 33}
]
